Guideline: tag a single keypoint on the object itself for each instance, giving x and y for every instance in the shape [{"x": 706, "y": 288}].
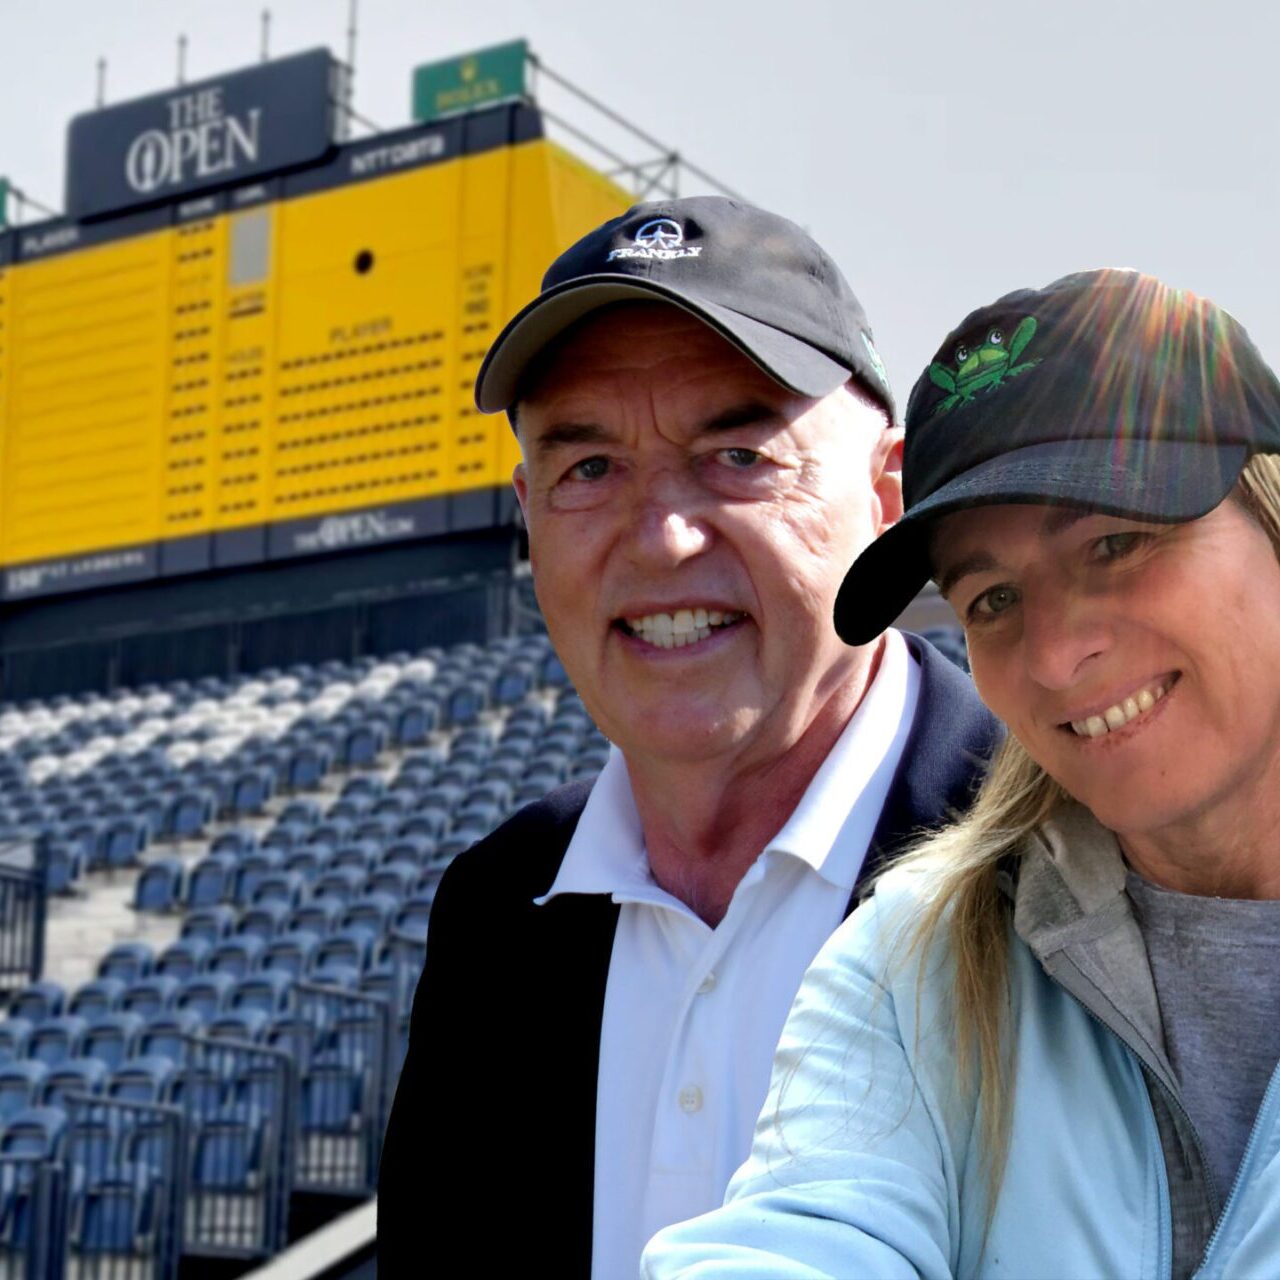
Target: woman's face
[{"x": 1139, "y": 664}]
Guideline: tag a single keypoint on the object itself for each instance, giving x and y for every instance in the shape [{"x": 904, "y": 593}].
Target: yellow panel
[
  {"x": 88, "y": 379},
  {"x": 246, "y": 396},
  {"x": 198, "y": 270},
  {"x": 367, "y": 343}
]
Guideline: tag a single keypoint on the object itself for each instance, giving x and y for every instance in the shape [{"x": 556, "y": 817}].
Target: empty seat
[
  {"x": 236, "y": 841},
  {"x": 237, "y": 956},
  {"x": 146, "y": 1079},
  {"x": 20, "y": 1084},
  {"x": 34, "y": 1131},
  {"x": 122, "y": 840},
  {"x": 340, "y": 883},
  {"x": 291, "y": 952},
  {"x": 159, "y": 887},
  {"x": 253, "y": 868},
  {"x": 127, "y": 960},
  {"x": 190, "y": 812},
  {"x": 212, "y": 880},
  {"x": 63, "y": 864},
  {"x": 38, "y": 1001},
  {"x": 14, "y": 1035},
  {"x": 79, "y": 1075},
  {"x": 393, "y": 878},
  {"x": 250, "y": 790},
  {"x": 309, "y": 861},
  {"x": 112, "y": 1037},
  {"x": 103, "y": 995},
  {"x": 306, "y": 767},
  {"x": 349, "y": 948},
  {"x": 264, "y": 920},
  {"x": 360, "y": 854},
  {"x": 210, "y": 923},
  {"x": 267, "y": 991},
  {"x": 412, "y": 917},
  {"x": 332, "y": 832},
  {"x": 247, "y": 1024},
  {"x": 301, "y": 814},
  {"x": 165, "y": 1035},
  {"x": 153, "y": 995},
  {"x": 206, "y": 993},
  {"x": 318, "y": 915},
  {"x": 372, "y": 914},
  {"x": 185, "y": 957},
  {"x": 56, "y": 1039}
]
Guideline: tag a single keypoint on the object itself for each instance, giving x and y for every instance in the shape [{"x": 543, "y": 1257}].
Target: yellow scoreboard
[{"x": 277, "y": 368}]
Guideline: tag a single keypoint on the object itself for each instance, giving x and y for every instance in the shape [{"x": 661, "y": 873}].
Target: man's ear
[
  {"x": 887, "y": 477},
  {"x": 520, "y": 480}
]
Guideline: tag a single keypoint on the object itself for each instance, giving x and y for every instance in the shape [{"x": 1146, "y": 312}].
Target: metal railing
[
  {"x": 23, "y": 901},
  {"x": 32, "y": 1218}
]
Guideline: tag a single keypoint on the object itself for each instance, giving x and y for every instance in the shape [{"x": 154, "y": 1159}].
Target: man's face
[{"x": 690, "y": 522}]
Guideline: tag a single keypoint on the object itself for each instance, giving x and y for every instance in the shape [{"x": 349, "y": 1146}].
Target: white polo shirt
[{"x": 692, "y": 1014}]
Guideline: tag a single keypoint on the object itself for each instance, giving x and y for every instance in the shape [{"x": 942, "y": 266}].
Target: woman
[{"x": 1048, "y": 1046}]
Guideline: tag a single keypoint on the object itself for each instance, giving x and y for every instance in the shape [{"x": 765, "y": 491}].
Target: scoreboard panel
[{"x": 278, "y": 369}]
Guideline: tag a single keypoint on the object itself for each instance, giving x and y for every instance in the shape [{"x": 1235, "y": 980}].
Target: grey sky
[{"x": 943, "y": 152}]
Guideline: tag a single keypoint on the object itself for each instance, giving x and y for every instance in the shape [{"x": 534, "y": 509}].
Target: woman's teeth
[
  {"x": 1115, "y": 717},
  {"x": 685, "y": 626}
]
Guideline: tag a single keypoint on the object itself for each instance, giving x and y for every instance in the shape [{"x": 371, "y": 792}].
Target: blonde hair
[{"x": 967, "y": 909}]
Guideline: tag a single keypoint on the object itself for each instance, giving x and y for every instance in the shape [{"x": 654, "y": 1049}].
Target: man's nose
[
  {"x": 667, "y": 525},
  {"x": 1062, "y": 633}
]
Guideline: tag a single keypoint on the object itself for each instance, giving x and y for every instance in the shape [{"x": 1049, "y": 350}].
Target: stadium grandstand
[{"x": 269, "y": 658}]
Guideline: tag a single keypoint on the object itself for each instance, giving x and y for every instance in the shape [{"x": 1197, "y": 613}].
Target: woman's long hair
[{"x": 967, "y": 911}]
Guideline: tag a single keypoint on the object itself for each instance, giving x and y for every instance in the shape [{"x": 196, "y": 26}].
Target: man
[{"x": 708, "y": 443}]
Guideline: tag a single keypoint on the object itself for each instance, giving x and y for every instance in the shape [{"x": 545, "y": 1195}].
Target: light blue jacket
[{"x": 867, "y": 1160}]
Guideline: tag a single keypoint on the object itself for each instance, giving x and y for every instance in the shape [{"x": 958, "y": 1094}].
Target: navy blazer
[{"x": 489, "y": 1163}]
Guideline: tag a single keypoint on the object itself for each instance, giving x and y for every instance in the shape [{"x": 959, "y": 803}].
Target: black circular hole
[{"x": 364, "y": 261}]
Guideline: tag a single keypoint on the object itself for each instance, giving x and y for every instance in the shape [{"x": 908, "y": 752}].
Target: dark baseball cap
[
  {"x": 758, "y": 280},
  {"x": 1106, "y": 390}
]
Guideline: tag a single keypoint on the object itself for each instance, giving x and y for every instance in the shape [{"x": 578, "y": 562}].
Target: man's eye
[
  {"x": 589, "y": 469},
  {"x": 1115, "y": 546},
  {"x": 994, "y": 601},
  {"x": 740, "y": 459}
]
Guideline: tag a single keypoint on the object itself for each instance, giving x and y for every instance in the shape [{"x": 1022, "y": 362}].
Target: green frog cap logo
[{"x": 984, "y": 367}]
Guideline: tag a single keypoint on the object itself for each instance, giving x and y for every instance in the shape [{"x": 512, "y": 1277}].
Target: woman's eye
[
  {"x": 589, "y": 469},
  {"x": 993, "y": 602},
  {"x": 740, "y": 459}
]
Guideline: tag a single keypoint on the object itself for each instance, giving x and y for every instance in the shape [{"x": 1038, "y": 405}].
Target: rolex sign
[{"x": 238, "y": 126}]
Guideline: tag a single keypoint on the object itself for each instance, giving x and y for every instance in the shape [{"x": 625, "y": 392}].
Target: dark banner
[{"x": 210, "y": 133}]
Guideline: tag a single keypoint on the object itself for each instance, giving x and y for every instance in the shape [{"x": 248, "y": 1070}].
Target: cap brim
[
  {"x": 1164, "y": 481},
  {"x": 786, "y": 359}
]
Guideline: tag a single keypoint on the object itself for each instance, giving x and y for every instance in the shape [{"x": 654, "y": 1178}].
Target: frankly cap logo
[{"x": 658, "y": 238}]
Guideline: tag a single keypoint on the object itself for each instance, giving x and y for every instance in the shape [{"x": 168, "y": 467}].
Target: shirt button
[
  {"x": 690, "y": 1099},
  {"x": 707, "y": 984}
]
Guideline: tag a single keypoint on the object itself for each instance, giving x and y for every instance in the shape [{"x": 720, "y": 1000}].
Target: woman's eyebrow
[{"x": 979, "y": 562}]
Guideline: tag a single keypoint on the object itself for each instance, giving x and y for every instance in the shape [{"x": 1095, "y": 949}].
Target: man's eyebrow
[
  {"x": 1060, "y": 519},
  {"x": 979, "y": 562},
  {"x": 752, "y": 413},
  {"x": 560, "y": 434}
]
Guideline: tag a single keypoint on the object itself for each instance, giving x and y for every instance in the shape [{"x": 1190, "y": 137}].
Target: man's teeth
[
  {"x": 1121, "y": 713},
  {"x": 685, "y": 626}
]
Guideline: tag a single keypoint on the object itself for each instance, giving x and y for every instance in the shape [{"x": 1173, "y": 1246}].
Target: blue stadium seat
[
  {"x": 307, "y": 767},
  {"x": 250, "y": 790},
  {"x": 152, "y": 995},
  {"x": 14, "y": 1035},
  {"x": 184, "y": 957},
  {"x": 339, "y": 883},
  {"x": 38, "y": 1001},
  {"x": 332, "y": 832},
  {"x": 318, "y": 915},
  {"x": 147, "y": 1079},
  {"x": 360, "y": 854},
  {"x": 111, "y": 1037},
  {"x": 291, "y": 952},
  {"x": 127, "y": 960},
  {"x": 76, "y": 1075},
  {"x": 309, "y": 861},
  {"x": 123, "y": 839},
  {"x": 267, "y": 991},
  {"x": 210, "y": 923},
  {"x": 235, "y": 841},
  {"x": 63, "y": 864},
  {"x": 237, "y": 955},
  {"x": 301, "y": 814},
  {"x": 211, "y": 880},
  {"x": 247, "y": 1024},
  {"x": 190, "y": 812},
  {"x": 393, "y": 878},
  {"x": 163, "y": 1036},
  {"x": 411, "y": 918},
  {"x": 253, "y": 867},
  {"x": 159, "y": 887},
  {"x": 349, "y": 948},
  {"x": 57, "y": 1039},
  {"x": 103, "y": 995},
  {"x": 287, "y": 887},
  {"x": 372, "y": 914},
  {"x": 370, "y": 785},
  {"x": 377, "y": 830},
  {"x": 206, "y": 993},
  {"x": 263, "y": 921},
  {"x": 20, "y": 1084},
  {"x": 430, "y": 823}
]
